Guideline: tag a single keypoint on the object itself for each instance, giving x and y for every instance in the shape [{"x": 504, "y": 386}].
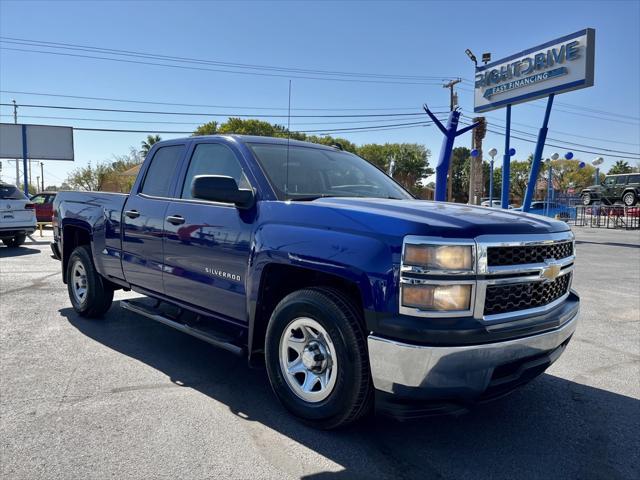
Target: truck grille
[
  {"x": 522, "y": 255},
  {"x": 521, "y": 296}
]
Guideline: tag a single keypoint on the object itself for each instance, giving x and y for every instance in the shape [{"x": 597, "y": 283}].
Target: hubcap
[
  {"x": 308, "y": 359},
  {"x": 79, "y": 282},
  {"x": 628, "y": 199}
]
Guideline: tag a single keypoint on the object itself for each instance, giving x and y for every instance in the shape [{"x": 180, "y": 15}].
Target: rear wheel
[
  {"x": 586, "y": 198},
  {"x": 317, "y": 359},
  {"x": 90, "y": 294},
  {"x": 15, "y": 241},
  {"x": 629, "y": 199}
]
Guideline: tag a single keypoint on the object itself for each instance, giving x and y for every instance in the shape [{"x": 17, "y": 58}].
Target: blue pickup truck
[{"x": 312, "y": 262}]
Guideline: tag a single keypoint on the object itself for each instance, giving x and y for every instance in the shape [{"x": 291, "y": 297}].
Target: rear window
[
  {"x": 634, "y": 179},
  {"x": 162, "y": 170},
  {"x": 10, "y": 192}
]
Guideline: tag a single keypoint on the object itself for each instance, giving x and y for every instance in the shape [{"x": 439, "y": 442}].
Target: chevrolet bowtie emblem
[{"x": 550, "y": 271}]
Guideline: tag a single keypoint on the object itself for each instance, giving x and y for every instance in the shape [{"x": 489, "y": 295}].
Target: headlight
[
  {"x": 437, "y": 297},
  {"x": 439, "y": 257}
]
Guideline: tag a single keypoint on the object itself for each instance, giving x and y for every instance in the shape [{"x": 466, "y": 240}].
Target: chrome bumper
[{"x": 463, "y": 372}]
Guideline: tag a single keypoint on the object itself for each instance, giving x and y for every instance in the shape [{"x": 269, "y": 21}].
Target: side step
[{"x": 156, "y": 315}]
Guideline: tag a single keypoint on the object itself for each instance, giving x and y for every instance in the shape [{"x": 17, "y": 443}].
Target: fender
[{"x": 362, "y": 260}]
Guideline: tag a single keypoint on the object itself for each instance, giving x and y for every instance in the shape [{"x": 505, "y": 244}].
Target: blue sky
[{"x": 392, "y": 38}]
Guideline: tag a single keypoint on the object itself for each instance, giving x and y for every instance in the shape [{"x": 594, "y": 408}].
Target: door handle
[
  {"x": 132, "y": 213},
  {"x": 175, "y": 219}
]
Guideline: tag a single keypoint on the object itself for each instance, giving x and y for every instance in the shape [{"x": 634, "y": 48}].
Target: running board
[{"x": 213, "y": 340}]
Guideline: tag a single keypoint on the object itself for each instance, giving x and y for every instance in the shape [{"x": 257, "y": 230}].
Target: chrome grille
[
  {"x": 522, "y": 255},
  {"x": 522, "y": 296}
]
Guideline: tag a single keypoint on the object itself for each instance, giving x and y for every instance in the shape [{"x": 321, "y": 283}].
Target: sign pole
[
  {"x": 537, "y": 157},
  {"x": 24, "y": 160},
  {"x": 506, "y": 162}
]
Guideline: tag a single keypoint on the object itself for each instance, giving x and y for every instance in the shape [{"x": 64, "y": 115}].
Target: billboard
[
  {"x": 44, "y": 142},
  {"x": 557, "y": 66}
]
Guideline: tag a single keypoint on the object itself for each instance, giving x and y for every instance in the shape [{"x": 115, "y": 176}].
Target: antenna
[{"x": 286, "y": 185}]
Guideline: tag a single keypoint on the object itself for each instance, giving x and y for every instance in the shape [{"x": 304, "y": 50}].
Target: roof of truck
[{"x": 260, "y": 139}]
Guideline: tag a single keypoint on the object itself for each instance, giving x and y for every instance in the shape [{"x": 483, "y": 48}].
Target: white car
[{"x": 17, "y": 216}]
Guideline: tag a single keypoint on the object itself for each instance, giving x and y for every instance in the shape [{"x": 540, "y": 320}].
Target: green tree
[
  {"x": 460, "y": 165},
  {"x": 620, "y": 167},
  {"x": 568, "y": 174},
  {"x": 210, "y": 128},
  {"x": 148, "y": 143},
  {"x": 89, "y": 178}
]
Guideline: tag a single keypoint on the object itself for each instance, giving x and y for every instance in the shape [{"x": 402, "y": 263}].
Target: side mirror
[{"x": 221, "y": 188}]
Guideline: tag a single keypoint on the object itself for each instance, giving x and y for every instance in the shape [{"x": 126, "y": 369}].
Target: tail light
[{"x": 30, "y": 206}]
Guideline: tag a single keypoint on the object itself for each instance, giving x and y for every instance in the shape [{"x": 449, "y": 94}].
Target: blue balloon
[
  {"x": 512, "y": 152},
  {"x": 569, "y": 156},
  {"x": 474, "y": 153},
  {"x": 581, "y": 164}
]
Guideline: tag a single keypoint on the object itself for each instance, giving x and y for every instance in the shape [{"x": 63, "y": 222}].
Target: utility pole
[
  {"x": 453, "y": 100},
  {"x": 42, "y": 175},
  {"x": 476, "y": 184},
  {"x": 15, "y": 120}
]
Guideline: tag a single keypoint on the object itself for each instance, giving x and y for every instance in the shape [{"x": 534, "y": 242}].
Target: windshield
[
  {"x": 9, "y": 192},
  {"x": 314, "y": 173}
]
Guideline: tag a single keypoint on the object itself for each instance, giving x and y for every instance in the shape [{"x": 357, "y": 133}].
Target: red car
[{"x": 44, "y": 205}]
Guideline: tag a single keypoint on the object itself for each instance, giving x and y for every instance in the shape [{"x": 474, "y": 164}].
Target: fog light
[
  {"x": 439, "y": 257},
  {"x": 444, "y": 298}
]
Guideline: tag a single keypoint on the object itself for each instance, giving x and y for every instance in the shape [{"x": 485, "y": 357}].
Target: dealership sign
[{"x": 555, "y": 67}]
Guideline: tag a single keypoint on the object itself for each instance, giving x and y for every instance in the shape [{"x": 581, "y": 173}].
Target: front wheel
[
  {"x": 90, "y": 294},
  {"x": 586, "y": 199},
  {"x": 15, "y": 241},
  {"x": 629, "y": 199},
  {"x": 317, "y": 359}
]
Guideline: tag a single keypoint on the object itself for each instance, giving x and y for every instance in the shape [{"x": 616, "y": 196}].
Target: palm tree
[
  {"x": 148, "y": 143},
  {"x": 620, "y": 167}
]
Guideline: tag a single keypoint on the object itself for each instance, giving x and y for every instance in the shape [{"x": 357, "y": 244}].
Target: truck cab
[{"x": 314, "y": 263}]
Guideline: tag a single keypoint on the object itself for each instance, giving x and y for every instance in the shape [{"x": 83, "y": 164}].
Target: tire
[
  {"x": 15, "y": 241},
  {"x": 90, "y": 294},
  {"x": 347, "y": 394},
  {"x": 629, "y": 199},
  {"x": 587, "y": 199}
]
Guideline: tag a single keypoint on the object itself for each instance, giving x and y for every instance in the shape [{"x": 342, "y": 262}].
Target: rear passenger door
[
  {"x": 143, "y": 219},
  {"x": 621, "y": 184},
  {"x": 206, "y": 246}
]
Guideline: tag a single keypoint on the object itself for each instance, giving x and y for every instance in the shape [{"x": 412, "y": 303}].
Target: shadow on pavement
[
  {"x": 6, "y": 252},
  {"x": 553, "y": 428}
]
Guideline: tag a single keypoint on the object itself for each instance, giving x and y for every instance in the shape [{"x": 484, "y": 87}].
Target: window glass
[
  {"x": 213, "y": 159},
  {"x": 161, "y": 171},
  {"x": 621, "y": 180},
  {"x": 634, "y": 179},
  {"x": 39, "y": 199},
  {"x": 10, "y": 192},
  {"x": 610, "y": 180},
  {"x": 306, "y": 173}
]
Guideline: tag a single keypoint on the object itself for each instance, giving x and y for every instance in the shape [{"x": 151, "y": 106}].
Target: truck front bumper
[{"x": 417, "y": 380}]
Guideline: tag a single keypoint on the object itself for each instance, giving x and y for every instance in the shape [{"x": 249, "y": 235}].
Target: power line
[
  {"x": 111, "y": 120},
  {"x": 148, "y": 102},
  {"x": 573, "y": 106},
  {"x": 526, "y": 125},
  {"x": 112, "y": 51},
  {"x": 185, "y": 67},
  {"x": 560, "y": 146},
  {"x": 218, "y": 114},
  {"x": 574, "y": 143}
]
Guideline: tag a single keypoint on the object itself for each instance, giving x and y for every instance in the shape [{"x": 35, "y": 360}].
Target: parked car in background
[
  {"x": 551, "y": 209},
  {"x": 44, "y": 205},
  {"x": 17, "y": 215},
  {"x": 623, "y": 188},
  {"x": 494, "y": 204}
]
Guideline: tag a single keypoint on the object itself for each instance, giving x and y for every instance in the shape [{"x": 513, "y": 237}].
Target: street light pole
[
  {"x": 42, "y": 175},
  {"x": 492, "y": 153},
  {"x": 15, "y": 121}
]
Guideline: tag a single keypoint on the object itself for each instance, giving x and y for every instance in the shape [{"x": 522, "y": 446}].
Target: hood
[{"x": 422, "y": 217}]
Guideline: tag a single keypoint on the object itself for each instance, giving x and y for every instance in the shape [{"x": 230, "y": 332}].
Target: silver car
[{"x": 17, "y": 215}]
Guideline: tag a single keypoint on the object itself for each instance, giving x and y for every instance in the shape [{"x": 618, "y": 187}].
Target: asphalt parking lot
[{"x": 124, "y": 397}]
